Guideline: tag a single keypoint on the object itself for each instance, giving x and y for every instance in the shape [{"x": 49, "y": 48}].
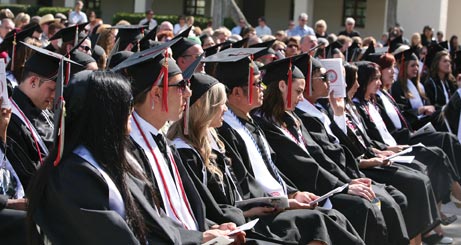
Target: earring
[{"x": 152, "y": 104}]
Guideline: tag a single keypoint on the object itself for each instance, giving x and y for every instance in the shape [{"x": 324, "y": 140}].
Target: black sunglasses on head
[{"x": 181, "y": 85}]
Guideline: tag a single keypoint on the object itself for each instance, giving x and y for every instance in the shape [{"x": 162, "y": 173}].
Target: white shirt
[
  {"x": 152, "y": 23},
  {"x": 261, "y": 31}
]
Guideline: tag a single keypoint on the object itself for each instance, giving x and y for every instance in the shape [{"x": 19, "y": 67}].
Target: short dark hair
[{"x": 149, "y": 11}]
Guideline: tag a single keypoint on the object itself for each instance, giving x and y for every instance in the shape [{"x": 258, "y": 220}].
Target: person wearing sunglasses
[{"x": 157, "y": 101}]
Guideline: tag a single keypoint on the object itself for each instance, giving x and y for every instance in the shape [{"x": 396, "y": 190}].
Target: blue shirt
[{"x": 301, "y": 31}]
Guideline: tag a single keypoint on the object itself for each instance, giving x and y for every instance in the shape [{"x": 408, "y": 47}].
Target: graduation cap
[
  {"x": 444, "y": 44},
  {"x": 240, "y": 43},
  {"x": 352, "y": 52},
  {"x": 145, "y": 41},
  {"x": 149, "y": 68},
  {"x": 187, "y": 75},
  {"x": 333, "y": 48},
  {"x": 432, "y": 50},
  {"x": 267, "y": 45},
  {"x": 393, "y": 44},
  {"x": 12, "y": 40},
  {"x": 184, "y": 34},
  {"x": 369, "y": 51},
  {"x": 283, "y": 69},
  {"x": 112, "y": 52},
  {"x": 129, "y": 34},
  {"x": 180, "y": 47},
  {"x": 59, "y": 113},
  {"x": 71, "y": 33},
  {"x": 45, "y": 63},
  {"x": 118, "y": 58},
  {"x": 235, "y": 67}
]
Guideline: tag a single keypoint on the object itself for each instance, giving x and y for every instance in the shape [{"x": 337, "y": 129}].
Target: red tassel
[
  {"x": 165, "y": 83},
  {"x": 250, "y": 81},
  {"x": 290, "y": 80},
  {"x": 308, "y": 78},
  {"x": 13, "y": 55},
  {"x": 67, "y": 73},
  {"x": 60, "y": 133},
  {"x": 402, "y": 66}
]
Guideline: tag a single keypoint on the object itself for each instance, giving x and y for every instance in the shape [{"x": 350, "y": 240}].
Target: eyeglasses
[
  {"x": 292, "y": 46},
  {"x": 323, "y": 78},
  {"x": 182, "y": 85},
  {"x": 195, "y": 56}
]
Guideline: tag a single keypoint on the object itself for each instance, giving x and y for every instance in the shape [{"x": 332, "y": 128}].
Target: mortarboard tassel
[
  {"x": 165, "y": 82},
  {"x": 61, "y": 131},
  {"x": 308, "y": 89},
  {"x": 76, "y": 36},
  {"x": 250, "y": 81},
  {"x": 13, "y": 55},
  {"x": 290, "y": 80},
  {"x": 402, "y": 66},
  {"x": 186, "y": 116},
  {"x": 67, "y": 74}
]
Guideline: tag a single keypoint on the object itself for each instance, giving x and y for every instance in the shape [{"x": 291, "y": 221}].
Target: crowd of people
[{"x": 154, "y": 133}]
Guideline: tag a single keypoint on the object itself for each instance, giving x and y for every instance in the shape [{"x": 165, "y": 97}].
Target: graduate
[
  {"x": 160, "y": 95},
  {"x": 418, "y": 190},
  {"x": 318, "y": 123},
  {"x": 95, "y": 192},
  {"x": 207, "y": 163},
  {"x": 238, "y": 119},
  {"x": 30, "y": 132}
]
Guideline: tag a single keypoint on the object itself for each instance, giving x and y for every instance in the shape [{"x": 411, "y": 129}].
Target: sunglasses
[
  {"x": 181, "y": 85},
  {"x": 323, "y": 78},
  {"x": 86, "y": 48},
  {"x": 292, "y": 46}
]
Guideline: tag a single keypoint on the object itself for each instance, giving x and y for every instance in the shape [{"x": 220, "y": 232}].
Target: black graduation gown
[
  {"x": 22, "y": 152},
  {"x": 438, "y": 156},
  {"x": 291, "y": 159},
  {"x": 75, "y": 207},
  {"x": 391, "y": 199},
  {"x": 281, "y": 225},
  {"x": 452, "y": 112},
  {"x": 196, "y": 202},
  {"x": 422, "y": 211},
  {"x": 411, "y": 115},
  {"x": 434, "y": 91}
]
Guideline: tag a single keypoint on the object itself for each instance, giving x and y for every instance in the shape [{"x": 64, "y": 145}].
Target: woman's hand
[
  {"x": 337, "y": 104},
  {"x": 17, "y": 204},
  {"x": 374, "y": 162},
  {"x": 362, "y": 191},
  {"x": 223, "y": 230},
  {"x": 426, "y": 110}
]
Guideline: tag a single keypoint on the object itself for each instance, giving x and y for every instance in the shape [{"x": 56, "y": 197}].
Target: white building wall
[{"x": 427, "y": 12}]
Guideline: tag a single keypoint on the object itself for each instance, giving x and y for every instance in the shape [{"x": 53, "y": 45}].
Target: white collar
[{"x": 306, "y": 106}]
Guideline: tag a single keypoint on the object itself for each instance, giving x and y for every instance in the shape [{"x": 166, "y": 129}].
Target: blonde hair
[
  {"x": 201, "y": 114},
  {"x": 21, "y": 19},
  {"x": 321, "y": 22}
]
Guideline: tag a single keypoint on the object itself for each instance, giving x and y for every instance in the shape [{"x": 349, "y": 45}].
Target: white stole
[
  {"x": 390, "y": 110},
  {"x": 262, "y": 175},
  {"x": 115, "y": 198},
  {"x": 17, "y": 111},
  {"x": 380, "y": 125},
  {"x": 174, "y": 200},
  {"x": 310, "y": 109},
  {"x": 416, "y": 102}
]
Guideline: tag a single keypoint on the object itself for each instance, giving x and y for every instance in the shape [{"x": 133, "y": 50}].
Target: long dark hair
[
  {"x": 273, "y": 107},
  {"x": 366, "y": 71},
  {"x": 98, "y": 105}
]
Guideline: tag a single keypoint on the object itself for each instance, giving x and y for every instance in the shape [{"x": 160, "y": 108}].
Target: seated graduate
[
  {"x": 160, "y": 94},
  {"x": 401, "y": 130},
  {"x": 419, "y": 190},
  {"x": 208, "y": 165},
  {"x": 452, "y": 111},
  {"x": 409, "y": 94},
  {"x": 30, "y": 132},
  {"x": 239, "y": 130},
  {"x": 317, "y": 122},
  {"x": 12, "y": 200}
]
